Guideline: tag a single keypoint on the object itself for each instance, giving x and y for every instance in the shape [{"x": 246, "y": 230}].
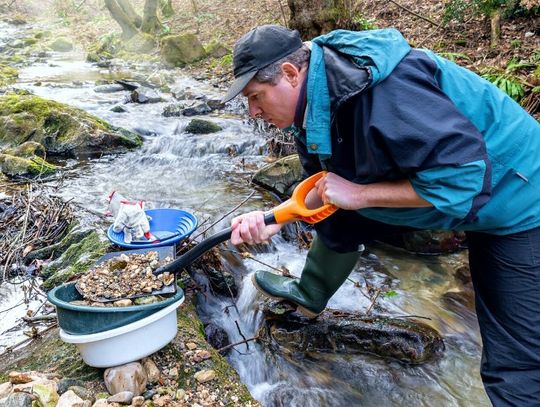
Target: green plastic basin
[{"x": 83, "y": 319}]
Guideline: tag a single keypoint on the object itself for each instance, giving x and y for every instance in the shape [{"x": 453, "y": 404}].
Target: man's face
[{"x": 276, "y": 104}]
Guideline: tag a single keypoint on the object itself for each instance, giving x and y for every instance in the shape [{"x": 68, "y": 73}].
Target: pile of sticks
[{"x": 30, "y": 219}]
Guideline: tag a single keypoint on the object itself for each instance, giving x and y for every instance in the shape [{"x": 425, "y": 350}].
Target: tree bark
[
  {"x": 129, "y": 29},
  {"x": 126, "y": 6},
  {"x": 495, "y": 27},
  {"x": 166, "y": 8},
  {"x": 150, "y": 24}
]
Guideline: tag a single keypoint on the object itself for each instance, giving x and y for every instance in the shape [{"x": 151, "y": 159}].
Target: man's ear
[{"x": 290, "y": 73}]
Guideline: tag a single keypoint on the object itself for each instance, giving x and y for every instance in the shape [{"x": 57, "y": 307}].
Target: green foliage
[
  {"x": 507, "y": 80},
  {"x": 459, "y": 9},
  {"x": 454, "y": 56},
  {"x": 390, "y": 294},
  {"x": 361, "y": 22},
  {"x": 535, "y": 57},
  {"x": 515, "y": 44},
  {"x": 165, "y": 29}
]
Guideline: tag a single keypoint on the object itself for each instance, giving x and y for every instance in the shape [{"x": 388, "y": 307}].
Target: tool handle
[
  {"x": 295, "y": 208},
  {"x": 290, "y": 210}
]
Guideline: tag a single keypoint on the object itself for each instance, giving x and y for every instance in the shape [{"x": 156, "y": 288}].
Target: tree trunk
[
  {"x": 126, "y": 6},
  {"x": 150, "y": 23},
  {"x": 313, "y": 18},
  {"x": 166, "y": 8},
  {"x": 129, "y": 29},
  {"x": 495, "y": 27}
]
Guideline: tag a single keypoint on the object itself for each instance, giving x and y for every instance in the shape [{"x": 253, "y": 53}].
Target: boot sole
[{"x": 303, "y": 310}]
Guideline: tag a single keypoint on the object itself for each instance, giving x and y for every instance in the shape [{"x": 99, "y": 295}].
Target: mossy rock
[
  {"x": 26, "y": 150},
  {"x": 280, "y": 176},
  {"x": 78, "y": 258},
  {"x": 63, "y": 130},
  {"x": 8, "y": 75},
  {"x": 217, "y": 50},
  {"x": 141, "y": 42},
  {"x": 61, "y": 45},
  {"x": 200, "y": 126},
  {"x": 183, "y": 49},
  {"x": 74, "y": 234},
  {"x": 17, "y": 166}
]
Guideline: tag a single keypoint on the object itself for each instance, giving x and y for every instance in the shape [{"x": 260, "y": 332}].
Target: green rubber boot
[{"x": 324, "y": 272}]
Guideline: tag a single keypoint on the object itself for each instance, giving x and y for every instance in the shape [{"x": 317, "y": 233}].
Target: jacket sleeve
[{"x": 430, "y": 140}]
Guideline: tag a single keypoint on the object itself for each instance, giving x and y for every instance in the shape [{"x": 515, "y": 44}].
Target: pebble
[
  {"x": 123, "y": 397},
  {"x": 204, "y": 376},
  {"x": 191, "y": 345}
]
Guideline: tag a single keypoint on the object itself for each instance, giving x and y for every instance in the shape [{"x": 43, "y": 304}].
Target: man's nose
[{"x": 254, "y": 110}]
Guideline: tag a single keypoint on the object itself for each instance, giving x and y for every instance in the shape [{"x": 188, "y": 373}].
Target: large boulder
[
  {"x": 61, "y": 129},
  {"x": 25, "y": 160},
  {"x": 280, "y": 176},
  {"x": 140, "y": 43},
  {"x": 183, "y": 49}
]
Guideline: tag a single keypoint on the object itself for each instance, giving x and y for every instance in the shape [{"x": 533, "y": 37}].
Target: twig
[
  {"x": 283, "y": 14},
  {"x": 429, "y": 36},
  {"x": 410, "y": 316},
  {"x": 10, "y": 348},
  {"x": 255, "y": 338},
  {"x": 224, "y": 216},
  {"x": 373, "y": 301},
  {"x": 416, "y": 14},
  {"x": 39, "y": 318},
  {"x": 250, "y": 256},
  {"x": 241, "y": 334}
]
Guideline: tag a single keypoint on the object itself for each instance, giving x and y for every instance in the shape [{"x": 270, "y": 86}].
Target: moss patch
[
  {"x": 78, "y": 258},
  {"x": 18, "y": 166},
  {"x": 8, "y": 74}
]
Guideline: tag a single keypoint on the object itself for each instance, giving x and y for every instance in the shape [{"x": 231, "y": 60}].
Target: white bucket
[{"x": 127, "y": 343}]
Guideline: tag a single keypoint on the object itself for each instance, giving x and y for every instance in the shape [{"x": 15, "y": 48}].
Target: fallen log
[{"x": 403, "y": 339}]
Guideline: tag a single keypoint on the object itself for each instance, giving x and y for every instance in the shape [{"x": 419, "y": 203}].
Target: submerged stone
[
  {"x": 200, "y": 126},
  {"x": 405, "y": 340}
]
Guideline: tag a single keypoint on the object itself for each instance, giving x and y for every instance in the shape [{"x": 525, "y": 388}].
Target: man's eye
[{"x": 254, "y": 97}]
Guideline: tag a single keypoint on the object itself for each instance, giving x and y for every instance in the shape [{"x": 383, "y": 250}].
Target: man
[{"x": 409, "y": 139}]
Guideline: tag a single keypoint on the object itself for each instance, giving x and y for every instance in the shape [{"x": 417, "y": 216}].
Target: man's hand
[
  {"x": 335, "y": 190},
  {"x": 250, "y": 228}
]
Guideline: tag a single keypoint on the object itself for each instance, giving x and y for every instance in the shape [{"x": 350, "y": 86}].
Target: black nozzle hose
[{"x": 193, "y": 254}]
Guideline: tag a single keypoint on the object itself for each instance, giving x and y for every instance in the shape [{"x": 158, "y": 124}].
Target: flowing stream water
[{"x": 197, "y": 173}]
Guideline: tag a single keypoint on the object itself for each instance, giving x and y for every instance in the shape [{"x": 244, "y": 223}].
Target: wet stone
[
  {"x": 65, "y": 384},
  {"x": 148, "y": 394},
  {"x": 216, "y": 336},
  {"x": 18, "y": 400}
]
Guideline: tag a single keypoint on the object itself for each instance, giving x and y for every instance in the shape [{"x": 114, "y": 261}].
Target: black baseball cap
[{"x": 257, "y": 49}]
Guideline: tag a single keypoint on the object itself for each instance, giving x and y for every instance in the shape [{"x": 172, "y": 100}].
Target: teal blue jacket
[{"x": 378, "y": 110}]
